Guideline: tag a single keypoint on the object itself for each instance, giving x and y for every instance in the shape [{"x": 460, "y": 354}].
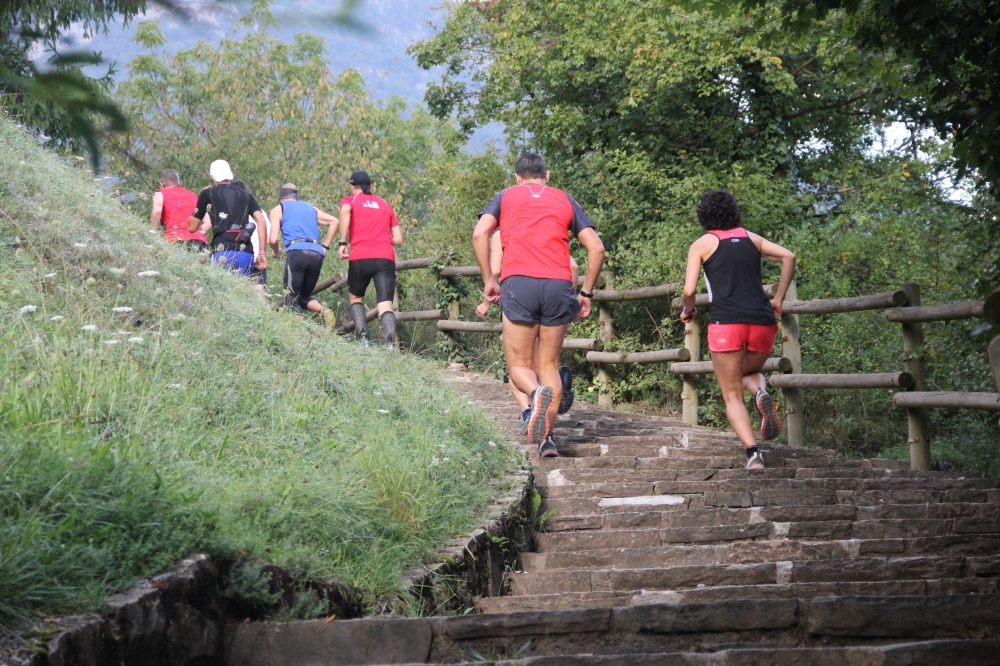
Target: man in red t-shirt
[
  {"x": 172, "y": 206},
  {"x": 371, "y": 225},
  {"x": 536, "y": 292}
]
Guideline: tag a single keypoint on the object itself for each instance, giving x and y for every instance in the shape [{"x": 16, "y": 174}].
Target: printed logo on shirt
[
  {"x": 735, "y": 240},
  {"x": 370, "y": 204}
]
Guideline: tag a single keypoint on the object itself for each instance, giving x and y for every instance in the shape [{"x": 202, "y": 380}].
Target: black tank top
[{"x": 732, "y": 275}]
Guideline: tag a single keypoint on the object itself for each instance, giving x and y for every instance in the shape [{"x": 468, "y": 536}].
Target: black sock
[
  {"x": 358, "y": 315},
  {"x": 388, "y": 320},
  {"x": 751, "y": 450}
]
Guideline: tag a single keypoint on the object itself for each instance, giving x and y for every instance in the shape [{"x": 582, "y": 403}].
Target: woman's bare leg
[{"x": 728, "y": 368}]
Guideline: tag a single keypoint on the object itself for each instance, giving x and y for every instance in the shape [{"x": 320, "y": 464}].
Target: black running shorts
[
  {"x": 302, "y": 269},
  {"x": 362, "y": 271},
  {"x": 528, "y": 300}
]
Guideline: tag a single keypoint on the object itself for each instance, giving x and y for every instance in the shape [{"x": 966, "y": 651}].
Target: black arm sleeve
[
  {"x": 580, "y": 219},
  {"x": 493, "y": 207},
  {"x": 203, "y": 200}
]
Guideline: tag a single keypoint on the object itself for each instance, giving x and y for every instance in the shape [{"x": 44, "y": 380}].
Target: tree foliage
[
  {"x": 274, "y": 110},
  {"x": 948, "y": 49},
  {"x": 59, "y": 100}
]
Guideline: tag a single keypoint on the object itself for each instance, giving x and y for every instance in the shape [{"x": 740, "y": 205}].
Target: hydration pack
[{"x": 232, "y": 223}]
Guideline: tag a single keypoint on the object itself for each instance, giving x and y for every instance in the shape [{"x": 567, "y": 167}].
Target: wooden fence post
[
  {"x": 913, "y": 363},
  {"x": 453, "y": 314},
  {"x": 607, "y": 332},
  {"x": 689, "y": 392},
  {"x": 791, "y": 348}
]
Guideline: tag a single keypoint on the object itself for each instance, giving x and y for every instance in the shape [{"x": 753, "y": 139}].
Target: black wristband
[
  {"x": 585, "y": 294},
  {"x": 342, "y": 243},
  {"x": 324, "y": 246}
]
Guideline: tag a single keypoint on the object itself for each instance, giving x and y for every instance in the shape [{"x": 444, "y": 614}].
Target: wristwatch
[
  {"x": 342, "y": 243},
  {"x": 585, "y": 294}
]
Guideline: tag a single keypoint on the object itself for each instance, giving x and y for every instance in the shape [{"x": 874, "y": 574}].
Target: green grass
[{"x": 230, "y": 427}]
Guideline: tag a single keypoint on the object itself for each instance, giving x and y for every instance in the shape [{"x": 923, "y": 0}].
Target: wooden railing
[{"x": 902, "y": 306}]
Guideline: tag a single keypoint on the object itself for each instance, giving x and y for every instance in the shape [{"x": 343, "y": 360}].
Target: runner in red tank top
[
  {"x": 742, "y": 321},
  {"x": 536, "y": 294},
  {"x": 172, "y": 206}
]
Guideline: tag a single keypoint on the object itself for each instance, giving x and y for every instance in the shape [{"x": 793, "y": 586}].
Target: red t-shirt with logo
[
  {"x": 372, "y": 220},
  {"x": 178, "y": 205},
  {"x": 534, "y": 220}
]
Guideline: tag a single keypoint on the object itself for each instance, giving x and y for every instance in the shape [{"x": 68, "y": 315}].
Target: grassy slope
[{"x": 229, "y": 426}]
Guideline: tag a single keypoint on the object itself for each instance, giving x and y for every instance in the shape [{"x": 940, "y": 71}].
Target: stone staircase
[{"x": 664, "y": 551}]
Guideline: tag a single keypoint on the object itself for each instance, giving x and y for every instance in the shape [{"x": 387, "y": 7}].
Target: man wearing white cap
[{"x": 229, "y": 211}]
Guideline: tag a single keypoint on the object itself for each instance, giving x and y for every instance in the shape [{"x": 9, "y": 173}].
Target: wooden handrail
[
  {"x": 850, "y": 304},
  {"x": 659, "y": 356},
  {"x": 879, "y": 380},
  {"x": 947, "y": 400},
  {"x": 776, "y": 364},
  {"x": 945, "y": 312}
]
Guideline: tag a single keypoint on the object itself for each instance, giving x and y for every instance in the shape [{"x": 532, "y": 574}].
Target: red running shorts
[{"x": 736, "y": 337}]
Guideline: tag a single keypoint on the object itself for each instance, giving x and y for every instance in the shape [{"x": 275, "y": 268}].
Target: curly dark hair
[{"x": 718, "y": 210}]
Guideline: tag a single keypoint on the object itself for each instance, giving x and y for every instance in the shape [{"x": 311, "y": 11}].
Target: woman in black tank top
[{"x": 742, "y": 322}]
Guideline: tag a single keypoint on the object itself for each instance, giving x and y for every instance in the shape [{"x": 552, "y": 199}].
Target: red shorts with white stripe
[{"x": 736, "y": 337}]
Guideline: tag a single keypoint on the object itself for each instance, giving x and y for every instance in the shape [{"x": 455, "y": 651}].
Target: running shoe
[
  {"x": 329, "y": 318},
  {"x": 541, "y": 398},
  {"x": 547, "y": 449},
  {"x": 770, "y": 424},
  {"x": 522, "y": 421},
  {"x": 363, "y": 342},
  {"x": 391, "y": 346},
  {"x": 756, "y": 461},
  {"x": 566, "y": 375}
]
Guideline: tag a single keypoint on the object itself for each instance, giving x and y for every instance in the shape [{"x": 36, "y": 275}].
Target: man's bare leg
[
  {"x": 550, "y": 341},
  {"x": 519, "y": 345}
]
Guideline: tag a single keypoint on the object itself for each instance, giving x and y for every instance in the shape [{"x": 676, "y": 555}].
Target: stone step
[
  {"x": 615, "y": 599},
  {"x": 702, "y": 494},
  {"x": 572, "y": 474},
  {"x": 972, "y": 517},
  {"x": 928, "y": 653},
  {"x": 755, "y": 552},
  {"x": 677, "y": 577},
  {"x": 826, "y": 530},
  {"x": 559, "y": 484}
]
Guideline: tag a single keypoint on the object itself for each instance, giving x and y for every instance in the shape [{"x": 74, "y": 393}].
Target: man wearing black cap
[{"x": 368, "y": 231}]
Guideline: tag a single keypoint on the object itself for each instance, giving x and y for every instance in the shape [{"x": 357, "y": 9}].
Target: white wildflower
[
  {"x": 28, "y": 309},
  {"x": 48, "y": 275},
  {"x": 148, "y": 273},
  {"x": 383, "y": 411},
  {"x": 493, "y": 444},
  {"x": 174, "y": 386},
  {"x": 117, "y": 271},
  {"x": 112, "y": 342},
  {"x": 135, "y": 340},
  {"x": 435, "y": 460},
  {"x": 89, "y": 328},
  {"x": 57, "y": 318},
  {"x": 79, "y": 245},
  {"x": 123, "y": 309}
]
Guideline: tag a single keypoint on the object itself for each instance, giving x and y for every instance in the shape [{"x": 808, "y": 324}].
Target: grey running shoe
[
  {"x": 547, "y": 449},
  {"x": 756, "y": 461},
  {"x": 541, "y": 398},
  {"x": 363, "y": 342},
  {"x": 770, "y": 424},
  {"x": 566, "y": 401},
  {"x": 391, "y": 346},
  {"x": 522, "y": 421}
]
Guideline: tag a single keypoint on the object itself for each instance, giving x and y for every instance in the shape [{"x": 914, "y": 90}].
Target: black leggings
[
  {"x": 360, "y": 272},
  {"x": 302, "y": 268}
]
